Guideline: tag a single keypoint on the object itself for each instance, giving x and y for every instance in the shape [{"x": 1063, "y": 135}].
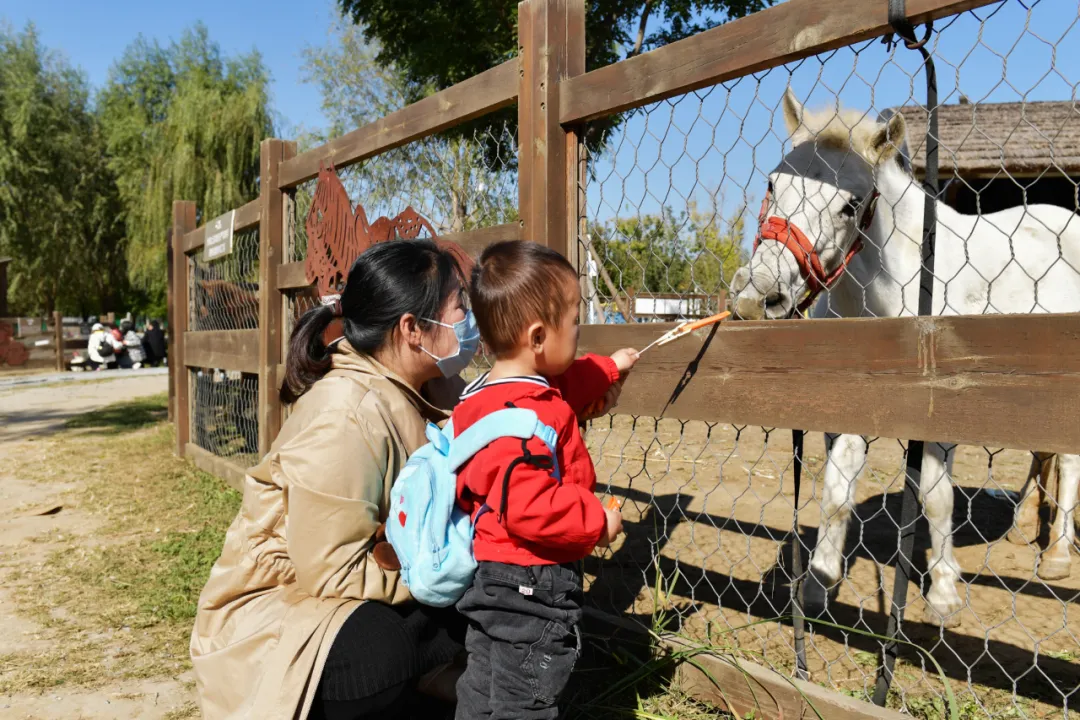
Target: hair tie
[{"x": 337, "y": 308}]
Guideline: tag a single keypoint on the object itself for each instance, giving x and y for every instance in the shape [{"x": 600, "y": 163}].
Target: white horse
[{"x": 820, "y": 209}]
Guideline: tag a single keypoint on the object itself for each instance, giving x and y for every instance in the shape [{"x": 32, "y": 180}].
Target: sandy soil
[
  {"x": 711, "y": 506},
  {"x": 28, "y": 413}
]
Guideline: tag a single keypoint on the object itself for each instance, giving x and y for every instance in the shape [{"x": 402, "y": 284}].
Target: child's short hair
[{"x": 514, "y": 284}]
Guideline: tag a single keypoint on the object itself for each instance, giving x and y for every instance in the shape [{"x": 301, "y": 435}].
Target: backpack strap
[{"x": 511, "y": 422}]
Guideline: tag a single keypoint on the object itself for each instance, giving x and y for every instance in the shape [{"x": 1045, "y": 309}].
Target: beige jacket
[{"x": 295, "y": 561}]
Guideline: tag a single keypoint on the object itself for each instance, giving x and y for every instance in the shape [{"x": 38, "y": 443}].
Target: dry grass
[{"x": 116, "y": 600}]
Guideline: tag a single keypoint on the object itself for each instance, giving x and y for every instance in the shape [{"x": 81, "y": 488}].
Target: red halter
[{"x": 806, "y": 257}]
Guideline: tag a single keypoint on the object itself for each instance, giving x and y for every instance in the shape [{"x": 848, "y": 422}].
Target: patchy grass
[{"x": 117, "y": 600}]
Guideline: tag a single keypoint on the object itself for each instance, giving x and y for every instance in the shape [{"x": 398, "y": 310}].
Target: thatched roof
[{"x": 1021, "y": 137}]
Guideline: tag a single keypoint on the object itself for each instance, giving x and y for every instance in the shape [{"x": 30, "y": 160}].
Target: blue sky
[
  {"x": 94, "y": 34},
  {"x": 720, "y": 139},
  {"x": 729, "y": 137}
]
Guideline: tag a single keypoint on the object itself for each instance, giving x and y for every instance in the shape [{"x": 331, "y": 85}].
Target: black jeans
[{"x": 523, "y": 641}]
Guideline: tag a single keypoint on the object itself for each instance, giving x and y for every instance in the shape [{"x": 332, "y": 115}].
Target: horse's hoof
[
  {"x": 817, "y": 592},
  {"x": 1020, "y": 537},
  {"x": 945, "y": 619},
  {"x": 1053, "y": 568}
]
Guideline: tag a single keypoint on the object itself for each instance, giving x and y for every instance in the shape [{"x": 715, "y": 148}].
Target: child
[{"x": 525, "y": 601}]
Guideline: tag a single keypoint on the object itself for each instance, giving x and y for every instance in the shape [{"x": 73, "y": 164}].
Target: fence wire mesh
[
  {"x": 225, "y": 414},
  {"x": 455, "y": 182},
  {"x": 671, "y": 216},
  {"x": 224, "y": 293}
]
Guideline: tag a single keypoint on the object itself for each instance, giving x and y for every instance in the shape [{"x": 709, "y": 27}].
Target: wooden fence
[{"x": 948, "y": 379}]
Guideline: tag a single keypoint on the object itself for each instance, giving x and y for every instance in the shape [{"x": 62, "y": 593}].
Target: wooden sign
[{"x": 219, "y": 236}]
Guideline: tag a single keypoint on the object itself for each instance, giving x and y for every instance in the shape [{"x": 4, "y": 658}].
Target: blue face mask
[{"x": 468, "y": 338}]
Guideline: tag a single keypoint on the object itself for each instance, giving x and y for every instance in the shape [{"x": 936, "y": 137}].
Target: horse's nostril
[{"x": 773, "y": 299}]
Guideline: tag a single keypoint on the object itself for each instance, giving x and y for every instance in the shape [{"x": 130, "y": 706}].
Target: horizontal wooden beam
[
  {"x": 223, "y": 349},
  {"x": 474, "y": 241},
  {"x": 229, "y": 471},
  {"x": 781, "y": 34},
  {"x": 479, "y": 95},
  {"x": 994, "y": 380},
  {"x": 291, "y": 276},
  {"x": 247, "y": 216},
  {"x": 746, "y": 689}
]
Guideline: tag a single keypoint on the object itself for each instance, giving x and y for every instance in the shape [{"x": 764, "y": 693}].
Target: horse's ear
[
  {"x": 793, "y": 112},
  {"x": 886, "y": 140}
]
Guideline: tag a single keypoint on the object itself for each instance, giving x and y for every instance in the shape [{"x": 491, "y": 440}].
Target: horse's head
[{"x": 820, "y": 202}]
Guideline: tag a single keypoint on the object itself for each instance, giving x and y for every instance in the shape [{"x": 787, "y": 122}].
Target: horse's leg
[
  {"x": 1054, "y": 562},
  {"x": 846, "y": 458},
  {"x": 1025, "y": 529},
  {"x": 943, "y": 601}
]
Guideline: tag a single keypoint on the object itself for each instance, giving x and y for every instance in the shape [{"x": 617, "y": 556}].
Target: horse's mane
[{"x": 839, "y": 128}]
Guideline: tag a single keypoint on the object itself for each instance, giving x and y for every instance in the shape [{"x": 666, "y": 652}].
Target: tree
[
  {"x": 181, "y": 123},
  {"x": 693, "y": 252},
  {"x": 449, "y": 173},
  {"x": 58, "y": 200},
  {"x": 438, "y": 44}
]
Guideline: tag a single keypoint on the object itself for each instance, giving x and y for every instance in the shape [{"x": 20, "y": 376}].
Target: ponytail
[
  {"x": 387, "y": 281},
  {"x": 309, "y": 358}
]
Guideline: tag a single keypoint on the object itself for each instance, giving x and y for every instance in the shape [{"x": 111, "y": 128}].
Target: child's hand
[
  {"x": 614, "y": 527},
  {"x": 625, "y": 360},
  {"x": 602, "y": 407}
]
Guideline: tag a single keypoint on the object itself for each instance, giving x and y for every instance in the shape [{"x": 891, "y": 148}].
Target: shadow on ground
[{"x": 118, "y": 419}]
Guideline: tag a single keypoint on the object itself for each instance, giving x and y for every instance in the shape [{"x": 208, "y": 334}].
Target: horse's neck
[{"x": 892, "y": 253}]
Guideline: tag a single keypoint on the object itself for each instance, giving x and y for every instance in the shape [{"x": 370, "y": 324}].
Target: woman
[{"x": 304, "y": 611}]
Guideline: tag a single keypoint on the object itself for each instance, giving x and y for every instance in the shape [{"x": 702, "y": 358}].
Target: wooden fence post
[
  {"x": 272, "y": 223},
  {"x": 170, "y": 305},
  {"x": 551, "y": 47},
  {"x": 183, "y": 222},
  {"x": 58, "y": 334}
]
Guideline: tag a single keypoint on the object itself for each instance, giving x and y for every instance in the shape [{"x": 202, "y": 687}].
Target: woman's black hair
[{"x": 387, "y": 281}]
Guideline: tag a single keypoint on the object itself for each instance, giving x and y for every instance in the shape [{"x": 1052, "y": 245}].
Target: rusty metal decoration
[
  {"x": 337, "y": 234},
  {"x": 12, "y": 352}
]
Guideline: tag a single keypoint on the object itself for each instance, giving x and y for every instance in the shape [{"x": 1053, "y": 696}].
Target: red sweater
[{"x": 547, "y": 521}]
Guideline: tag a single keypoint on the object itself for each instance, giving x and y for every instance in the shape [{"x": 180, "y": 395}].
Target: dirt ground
[
  {"x": 713, "y": 506},
  {"x": 29, "y": 533}
]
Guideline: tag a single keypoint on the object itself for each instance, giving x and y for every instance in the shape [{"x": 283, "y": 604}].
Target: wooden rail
[
  {"x": 479, "y": 95},
  {"x": 786, "y": 32},
  {"x": 291, "y": 276},
  {"x": 223, "y": 349},
  {"x": 247, "y": 216},
  {"x": 995, "y": 380},
  {"x": 229, "y": 471}
]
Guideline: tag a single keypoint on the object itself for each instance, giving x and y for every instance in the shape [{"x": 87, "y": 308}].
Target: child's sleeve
[{"x": 586, "y": 381}]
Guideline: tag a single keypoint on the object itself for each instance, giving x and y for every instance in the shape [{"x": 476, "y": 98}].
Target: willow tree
[
  {"x": 58, "y": 200},
  {"x": 181, "y": 123}
]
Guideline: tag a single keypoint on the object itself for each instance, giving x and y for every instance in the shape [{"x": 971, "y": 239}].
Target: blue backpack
[{"x": 431, "y": 535}]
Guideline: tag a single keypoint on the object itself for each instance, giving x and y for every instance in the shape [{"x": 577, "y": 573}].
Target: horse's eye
[{"x": 850, "y": 207}]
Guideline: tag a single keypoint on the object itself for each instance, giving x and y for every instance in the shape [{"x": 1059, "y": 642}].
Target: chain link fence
[{"x": 669, "y": 234}]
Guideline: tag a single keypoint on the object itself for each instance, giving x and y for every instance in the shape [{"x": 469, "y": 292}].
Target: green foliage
[
  {"x": 438, "y": 44},
  {"x": 693, "y": 251},
  {"x": 181, "y": 123},
  {"x": 449, "y": 171},
  {"x": 58, "y": 200}
]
